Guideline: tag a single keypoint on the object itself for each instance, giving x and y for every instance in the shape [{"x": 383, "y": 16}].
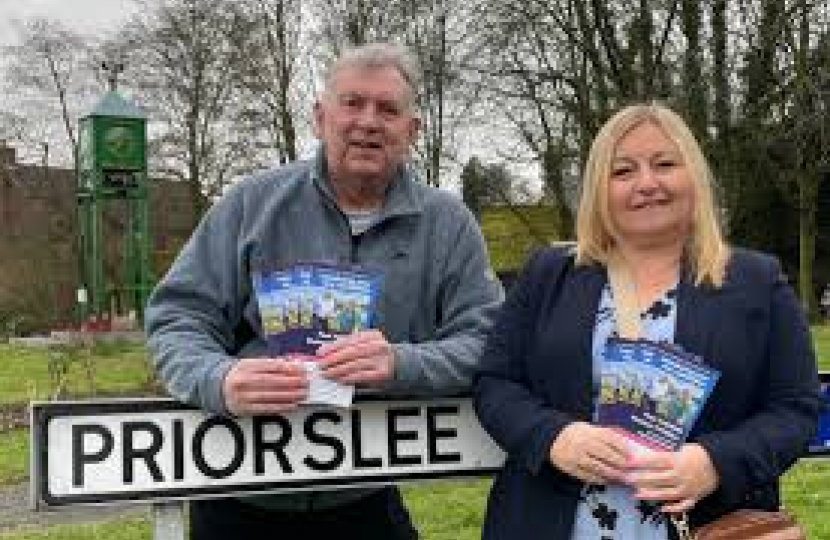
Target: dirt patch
[{"x": 13, "y": 416}]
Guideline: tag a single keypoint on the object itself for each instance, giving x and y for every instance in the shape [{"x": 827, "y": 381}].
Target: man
[{"x": 356, "y": 203}]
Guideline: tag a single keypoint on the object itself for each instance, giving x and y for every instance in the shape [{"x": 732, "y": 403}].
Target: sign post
[{"x": 168, "y": 521}]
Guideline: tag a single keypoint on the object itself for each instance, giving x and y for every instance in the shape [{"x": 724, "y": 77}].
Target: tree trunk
[
  {"x": 552, "y": 171},
  {"x": 806, "y": 249},
  {"x": 807, "y": 179},
  {"x": 695, "y": 91},
  {"x": 720, "y": 147}
]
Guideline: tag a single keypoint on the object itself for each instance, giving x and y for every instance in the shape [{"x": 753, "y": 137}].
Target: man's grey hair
[{"x": 377, "y": 56}]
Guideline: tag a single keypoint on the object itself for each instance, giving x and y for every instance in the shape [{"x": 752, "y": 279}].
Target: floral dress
[{"x": 610, "y": 512}]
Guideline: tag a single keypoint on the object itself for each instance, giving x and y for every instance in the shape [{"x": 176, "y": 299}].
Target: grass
[
  {"x": 448, "y": 510},
  {"x": 821, "y": 340},
  {"x": 14, "y": 458},
  {"x": 123, "y": 529},
  {"x": 442, "y": 510},
  {"x": 507, "y": 235},
  {"x": 118, "y": 368},
  {"x": 806, "y": 493}
]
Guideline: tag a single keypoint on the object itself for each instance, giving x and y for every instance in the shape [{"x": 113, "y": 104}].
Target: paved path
[{"x": 15, "y": 512}]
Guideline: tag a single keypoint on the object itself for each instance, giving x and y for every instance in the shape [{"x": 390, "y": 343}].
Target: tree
[
  {"x": 474, "y": 188},
  {"x": 811, "y": 146},
  {"x": 51, "y": 67},
  {"x": 12, "y": 126},
  {"x": 269, "y": 54},
  {"x": 440, "y": 35},
  {"x": 184, "y": 66}
]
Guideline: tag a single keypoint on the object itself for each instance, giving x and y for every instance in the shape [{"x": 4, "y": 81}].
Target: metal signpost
[{"x": 158, "y": 451}]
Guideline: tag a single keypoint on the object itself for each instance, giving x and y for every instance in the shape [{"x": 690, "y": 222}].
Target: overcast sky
[{"x": 87, "y": 16}]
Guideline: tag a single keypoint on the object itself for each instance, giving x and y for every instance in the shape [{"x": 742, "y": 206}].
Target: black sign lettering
[
  {"x": 434, "y": 433},
  {"x": 278, "y": 446},
  {"x": 130, "y": 453},
  {"x": 394, "y": 436},
  {"x": 178, "y": 450},
  {"x": 318, "y": 438},
  {"x": 358, "y": 461},
  {"x": 79, "y": 457},
  {"x": 238, "y": 447}
]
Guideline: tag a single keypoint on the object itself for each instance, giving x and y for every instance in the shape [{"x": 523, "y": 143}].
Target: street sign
[
  {"x": 820, "y": 446},
  {"x": 98, "y": 452}
]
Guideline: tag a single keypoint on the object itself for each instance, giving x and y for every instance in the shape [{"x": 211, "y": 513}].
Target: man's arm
[
  {"x": 192, "y": 313},
  {"x": 447, "y": 363},
  {"x": 468, "y": 299}
]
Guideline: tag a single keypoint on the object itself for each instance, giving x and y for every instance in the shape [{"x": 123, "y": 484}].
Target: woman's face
[{"x": 650, "y": 193}]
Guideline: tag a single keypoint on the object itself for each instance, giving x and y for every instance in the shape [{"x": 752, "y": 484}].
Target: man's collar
[{"x": 402, "y": 198}]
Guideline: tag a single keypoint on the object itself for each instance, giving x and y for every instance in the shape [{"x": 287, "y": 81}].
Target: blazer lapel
[
  {"x": 582, "y": 294},
  {"x": 697, "y": 320}
]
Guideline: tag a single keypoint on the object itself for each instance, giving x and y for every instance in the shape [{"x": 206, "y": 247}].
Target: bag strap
[
  {"x": 681, "y": 525},
  {"x": 624, "y": 292}
]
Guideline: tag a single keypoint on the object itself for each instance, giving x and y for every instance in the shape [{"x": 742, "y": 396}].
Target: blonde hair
[{"x": 706, "y": 253}]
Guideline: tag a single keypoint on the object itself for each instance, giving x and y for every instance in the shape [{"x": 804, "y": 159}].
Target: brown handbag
[{"x": 746, "y": 525}]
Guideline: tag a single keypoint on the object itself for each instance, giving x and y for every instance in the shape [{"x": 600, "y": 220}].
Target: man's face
[{"x": 365, "y": 124}]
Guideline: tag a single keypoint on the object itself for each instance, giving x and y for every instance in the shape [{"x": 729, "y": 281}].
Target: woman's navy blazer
[{"x": 536, "y": 373}]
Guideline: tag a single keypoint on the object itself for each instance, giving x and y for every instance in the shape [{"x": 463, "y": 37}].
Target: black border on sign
[
  {"x": 45, "y": 412},
  {"x": 821, "y": 452}
]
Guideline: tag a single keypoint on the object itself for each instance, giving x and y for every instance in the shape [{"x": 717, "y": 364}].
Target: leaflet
[
  {"x": 308, "y": 304},
  {"x": 654, "y": 392}
]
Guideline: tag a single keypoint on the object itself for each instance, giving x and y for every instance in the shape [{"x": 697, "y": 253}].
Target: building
[{"x": 39, "y": 259}]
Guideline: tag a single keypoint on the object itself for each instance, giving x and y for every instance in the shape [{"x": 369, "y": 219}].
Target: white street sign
[{"x": 155, "y": 449}]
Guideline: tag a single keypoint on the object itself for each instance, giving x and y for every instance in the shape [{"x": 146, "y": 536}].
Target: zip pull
[{"x": 681, "y": 525}]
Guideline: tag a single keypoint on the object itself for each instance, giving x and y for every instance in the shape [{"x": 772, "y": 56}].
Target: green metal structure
[{"x": 112, "y": 164}]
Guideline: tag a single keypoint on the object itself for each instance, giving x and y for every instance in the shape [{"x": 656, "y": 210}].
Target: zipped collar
[{"x": 403, "y": 197}]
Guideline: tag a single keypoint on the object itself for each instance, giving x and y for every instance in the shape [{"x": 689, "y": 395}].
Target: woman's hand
[
  {"x": 680, "y": 478},
  {"x": 597, "y": 455}
]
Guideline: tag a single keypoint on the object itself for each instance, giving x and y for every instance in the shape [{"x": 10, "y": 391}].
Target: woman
[{"x": 646, "y": 203}]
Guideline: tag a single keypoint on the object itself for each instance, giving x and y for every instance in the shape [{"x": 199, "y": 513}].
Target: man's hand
[
  {"x": 597, "y": 455},
  {"x": 264, "y": 386},
  {"x": 361, "y": 358},
  {"x": 679, "y": 478}
]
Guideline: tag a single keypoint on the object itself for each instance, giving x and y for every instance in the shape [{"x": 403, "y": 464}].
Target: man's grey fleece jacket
[{"x": 436, "y": 304}]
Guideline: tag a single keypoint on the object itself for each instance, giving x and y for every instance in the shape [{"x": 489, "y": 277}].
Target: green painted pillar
[{"x": 113, "y": 166}]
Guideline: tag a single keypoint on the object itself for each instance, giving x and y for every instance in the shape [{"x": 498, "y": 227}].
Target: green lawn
[
  {"x": 25, "y": 372},
  {"x": 806, "y": 492},
  {"x": 448, "y": 510},
  {"x": 821, "y": 339},
  {"x": 508, "y": 236},
  {"x": 124, "y": 529},
  {"x": 14, "y": 456}
]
